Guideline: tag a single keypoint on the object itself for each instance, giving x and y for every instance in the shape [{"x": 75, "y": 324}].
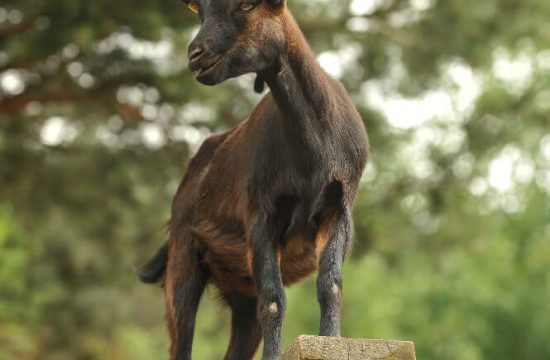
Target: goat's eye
[
  {"x": 246, "y": 7},
  {"x": 193, "y": 7}
]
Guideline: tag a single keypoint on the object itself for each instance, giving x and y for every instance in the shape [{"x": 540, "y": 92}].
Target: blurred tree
[{"x": 98, "y": 116}]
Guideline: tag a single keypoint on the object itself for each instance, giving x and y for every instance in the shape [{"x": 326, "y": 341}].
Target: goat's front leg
[
  {"x": 329, "y": 280},
  {"x": 267, "y": 276}
]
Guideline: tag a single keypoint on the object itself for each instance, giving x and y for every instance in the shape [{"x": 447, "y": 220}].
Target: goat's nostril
[{"x": 195, "y": 53}]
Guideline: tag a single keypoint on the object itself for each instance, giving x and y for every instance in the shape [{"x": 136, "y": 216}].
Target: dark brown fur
[{"x": 268, "y": 202}]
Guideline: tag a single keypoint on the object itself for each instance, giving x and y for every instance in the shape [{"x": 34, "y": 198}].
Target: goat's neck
[{"x": 299, "y": 86}]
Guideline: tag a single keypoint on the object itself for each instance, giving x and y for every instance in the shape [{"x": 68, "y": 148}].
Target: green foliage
[{"x": 98, "y": 117}]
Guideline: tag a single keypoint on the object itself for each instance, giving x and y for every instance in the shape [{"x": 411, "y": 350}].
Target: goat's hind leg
[
  {"x": 184, "y": 285},
  {"x": 246, "y": 332}
]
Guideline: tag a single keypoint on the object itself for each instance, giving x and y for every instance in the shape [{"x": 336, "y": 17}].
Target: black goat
[{"x": 268, "y": 202}]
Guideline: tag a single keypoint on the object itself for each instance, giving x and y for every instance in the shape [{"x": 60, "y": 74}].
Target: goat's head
[{"x": 236, "y": 37}]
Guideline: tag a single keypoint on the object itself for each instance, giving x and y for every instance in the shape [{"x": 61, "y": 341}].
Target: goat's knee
[
  {"x": 272, "y": 307},
  {"x": 329, "y": 290},
  {"x": 271, "y": 297}
]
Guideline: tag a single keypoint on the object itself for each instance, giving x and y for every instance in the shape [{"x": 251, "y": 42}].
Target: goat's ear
[{"x": 276, "y": 3}]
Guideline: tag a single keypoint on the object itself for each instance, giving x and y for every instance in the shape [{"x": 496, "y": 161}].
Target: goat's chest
[
  {"x": 290, "y": 157},
  {"x": 291, "y": 167}
]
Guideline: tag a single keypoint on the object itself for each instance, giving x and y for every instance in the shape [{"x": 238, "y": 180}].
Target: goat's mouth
[{"x": 206, "y": 69}]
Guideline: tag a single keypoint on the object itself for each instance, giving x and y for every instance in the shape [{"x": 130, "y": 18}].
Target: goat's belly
[
  {"x": 300, "y": 256},
  {"x": 229, "y": 260},
  {"x": 230, "y": 266}
]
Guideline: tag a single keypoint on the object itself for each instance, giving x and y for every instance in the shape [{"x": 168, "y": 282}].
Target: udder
[
  {"x": 300, "y": 256},
  {"x": 231, "y": 268}
]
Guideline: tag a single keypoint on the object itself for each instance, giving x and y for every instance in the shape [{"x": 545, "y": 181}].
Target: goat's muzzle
[{"x": 204, "y": 67}]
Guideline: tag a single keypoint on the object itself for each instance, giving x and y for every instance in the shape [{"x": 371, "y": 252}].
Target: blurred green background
[{"x": 98, "y": 117}]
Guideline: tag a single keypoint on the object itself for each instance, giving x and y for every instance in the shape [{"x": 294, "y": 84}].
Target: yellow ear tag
[{"x": 193, "y": 7}]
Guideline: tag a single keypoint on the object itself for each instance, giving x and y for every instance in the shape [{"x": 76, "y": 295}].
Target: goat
[{"x": 268, "y": 202}]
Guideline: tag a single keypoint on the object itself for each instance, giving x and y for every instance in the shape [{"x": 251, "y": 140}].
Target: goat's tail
[{"x": 152, "y": 272}]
